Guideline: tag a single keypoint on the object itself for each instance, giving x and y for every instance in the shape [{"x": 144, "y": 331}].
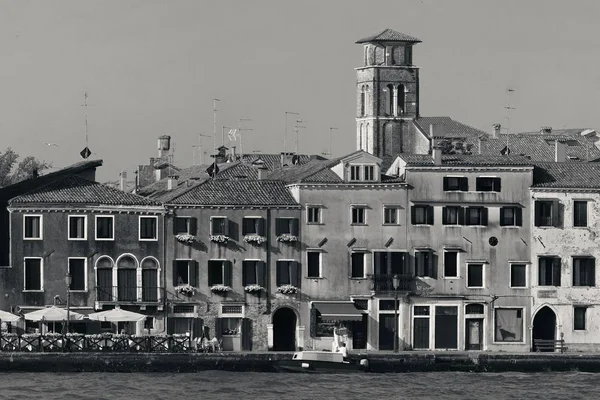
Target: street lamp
[
  {"x": 68, "y": 279},
  {"x": 396, "y": 284}
]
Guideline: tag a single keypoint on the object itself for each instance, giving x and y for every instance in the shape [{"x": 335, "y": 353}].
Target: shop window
[{"x": 508, "y": 325}]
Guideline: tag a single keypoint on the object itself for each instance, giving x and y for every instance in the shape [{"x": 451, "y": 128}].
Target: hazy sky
[{"x": 152, "y": 67}]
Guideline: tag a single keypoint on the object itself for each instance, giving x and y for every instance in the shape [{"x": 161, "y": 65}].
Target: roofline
[
  {"x": 188, "y": 205},
  {"x": 84, "y": 206}
]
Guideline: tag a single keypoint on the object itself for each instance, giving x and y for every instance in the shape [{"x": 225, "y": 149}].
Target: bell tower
[{"x": 387, "y": 92}]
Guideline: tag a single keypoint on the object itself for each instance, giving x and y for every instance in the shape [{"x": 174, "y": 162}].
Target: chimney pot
[
  {"x": 436, "y": 152},
  {"x": 123, "y": 180},
  {"x": 496, "y": 130},
  {"x": 546, "y": 129},
  {"x": 172, "y": 182}
]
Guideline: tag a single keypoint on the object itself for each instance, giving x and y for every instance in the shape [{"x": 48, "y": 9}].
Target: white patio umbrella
[
  {"x": 117, "y": 315},
  {"x": 8, "y": 317},
  {"x": 52, "y": 314}
]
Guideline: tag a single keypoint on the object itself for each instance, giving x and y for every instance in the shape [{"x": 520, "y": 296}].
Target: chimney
[
  {"x": 123, "y": 181},
  {"x": 172, "y": 182},
  {"x": 496, "y": 130},
  {"x": 262, "y": 171},
  {"x": 436, "y": 152},
  {"x": 559, "y": 151},
  {"x": 164, "y": 145},
  {"x": 546, "y": 129},
  {"x": 479, "y": 145},
  {"x": 233, "y": 155}
]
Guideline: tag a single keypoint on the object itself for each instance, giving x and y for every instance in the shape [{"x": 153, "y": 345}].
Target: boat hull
[{"x": 319, "y": 367}]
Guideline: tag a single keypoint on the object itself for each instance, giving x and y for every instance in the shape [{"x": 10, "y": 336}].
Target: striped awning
[{"x": 339, "y": 311}]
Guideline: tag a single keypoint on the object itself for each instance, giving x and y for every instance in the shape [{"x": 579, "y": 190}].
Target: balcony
[
  {"x": 384, "y": 283},
  {"x": 134, "y": 295}
]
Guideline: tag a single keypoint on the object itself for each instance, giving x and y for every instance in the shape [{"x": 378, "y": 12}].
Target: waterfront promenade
[{"x": 380, "y": 362}]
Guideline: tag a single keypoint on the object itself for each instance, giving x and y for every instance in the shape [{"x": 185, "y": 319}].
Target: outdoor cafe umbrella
[
  {"x": 117, "y": 315},
  {"x": 8, "y": 317},
  {"x": 52, "y": 314}
]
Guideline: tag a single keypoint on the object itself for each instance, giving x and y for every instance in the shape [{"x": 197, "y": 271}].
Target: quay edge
[{"x": 265, "y": 362}]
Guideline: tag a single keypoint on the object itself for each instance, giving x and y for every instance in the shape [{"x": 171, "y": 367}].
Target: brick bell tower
[{"x": 387, "y": 93}]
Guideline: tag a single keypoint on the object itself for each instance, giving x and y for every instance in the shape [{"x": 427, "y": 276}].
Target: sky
[{"x": 152, "y": 67}]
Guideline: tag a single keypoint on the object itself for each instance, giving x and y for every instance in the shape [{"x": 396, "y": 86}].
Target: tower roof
[{"x": 389, "y": 35}]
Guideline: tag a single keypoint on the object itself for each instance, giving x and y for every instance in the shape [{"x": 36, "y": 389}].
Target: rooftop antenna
[
  {"x": 286, "y": 126},
  {"x": 508, "y": 109},
  {"x": 330, "y": 134},
  {"x": 199, "y": 149},
  {"x": 85, "y": 153},
  {"x": 297, "y": 131},
  {"x": 215, "y": 135},
  {"x": 240, "y": 131}
]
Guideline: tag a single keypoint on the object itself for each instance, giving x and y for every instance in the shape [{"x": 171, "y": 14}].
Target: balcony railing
[
  {"x": 385, "y": 283},
  {"x": 128, "y": 294}
]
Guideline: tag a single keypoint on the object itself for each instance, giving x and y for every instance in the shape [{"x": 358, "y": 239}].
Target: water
[{"x": 247, "y": 386}]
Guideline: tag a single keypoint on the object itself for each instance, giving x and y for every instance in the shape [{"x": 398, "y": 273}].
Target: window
[
  {"x": 579, "y": 318},
  {"x": 357, "y": 265},
  {"x": 460, "y": 183},
  {"x": 508, "y": 325},
  {"x": 313, "y": 261},
  {"x": 77, "y": 269},
  {"x": 105, "y": 227},
  {"x": 391, "y": 215},
  {"x": 219, "y": 226},
  {"x": 182, "y": 225},
  {"x": 313, "y": 214},
  {"x": 148, "y": 228},
  {"x": 34, "y": 274},
  {"x": 453, "y": 215},
  {"x": 549, "y": 271},
  {"x": 584, "y": 271},
  {"x": 476, "y": 216},
  {"x": 475, "y": 275},
  {"x": 474, "y": 309},
  {"x": 230, "y": 326},
  {"x": 390, "y": 263},
  {"x": 253, "y": 273},
  {"x": 32, "y": 227},
  {"x": 355, "y": 172},
  {"x": 219, "y": 272},
  {"x": 253, "y": 226},
  {"x": 422, "y": 215},
  {"x": 288, "y": 273},
  {"x": 421, "y": 327},
  {"x": 77, "y": 227},
  {"x": 546, "y": 213},
  {"x": 185, "y": 272},
  {"x": 369, "y": 172},
  {"x": 518, "y": 275},
  {"x": 450, "y": 264},
  {"x": 424, "y": 263},
  {"x": 580, "y": 213},
  {"x": 359, "y": 215},
  {"x": 485, "y": 184},
  {"x": 511, "y": 216},
  {"x": 287, "y": 226}
]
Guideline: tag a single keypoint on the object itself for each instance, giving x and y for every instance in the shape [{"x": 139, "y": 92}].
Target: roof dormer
[{"x": 359, "y": 167}]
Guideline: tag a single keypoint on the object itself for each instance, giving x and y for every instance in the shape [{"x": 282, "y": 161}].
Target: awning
[{"x": 339, "y": 311}]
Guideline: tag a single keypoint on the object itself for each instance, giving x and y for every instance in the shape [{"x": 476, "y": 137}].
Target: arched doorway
[
  {"x": 544, "y": 326},
  {"x": 284, "y": 330}
]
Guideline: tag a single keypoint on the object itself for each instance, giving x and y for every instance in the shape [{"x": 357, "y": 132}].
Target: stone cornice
[
  {"x": 474, "y": 168},
  {"x": 379, "y": 186},
  {"x": 89, "y": 209},
  {"x": 241, "y": 207}
]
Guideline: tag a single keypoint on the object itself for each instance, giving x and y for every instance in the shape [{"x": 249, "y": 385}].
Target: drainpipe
[
  {"x": 268, "y": 262},
  {"x": 164, "y": 277}
]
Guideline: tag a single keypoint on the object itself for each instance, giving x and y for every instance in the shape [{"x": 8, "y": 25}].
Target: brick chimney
[
  {"x": 123, "y": 181},
  {"x": 546, "y": 129},
  {"x": 560, "y": 154},
  {"x": 436, "y": 152},
  {"x": 164, "y": 145},
  {"x": 172, "y": 182}
]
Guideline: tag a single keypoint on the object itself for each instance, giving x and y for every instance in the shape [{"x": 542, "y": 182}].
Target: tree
[{"x": 12, "y": 170}]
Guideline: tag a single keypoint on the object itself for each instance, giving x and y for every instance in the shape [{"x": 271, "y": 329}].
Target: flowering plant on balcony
[
  {"x": 30, "y": 335},
  {"x": 258, "y": 239},
  {"x": 287, "y": 289},
  {"x": 219, "y": 239},
  {"x": 53, "y": 334},
  {"x": 187, "y": 290},
  {"x": 286, "y": 237},
  {"x": 74, "y": 335},
  {"x": 104, "y": 335},
  {"x": 220, "y": 289},
  {"x": 254, "y": 288},
  {"x": 9, "y": 335},
  {"x": 180, "y": 335},
  {"x": 185, "y": 238}
]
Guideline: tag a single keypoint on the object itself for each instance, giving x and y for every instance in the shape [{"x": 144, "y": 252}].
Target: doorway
[
  {"x": 474, "y": 334},
  {"x": 386, "y": 331},
  {"x": 284, "y": 330},
  {"x": 544, "y": 326}
]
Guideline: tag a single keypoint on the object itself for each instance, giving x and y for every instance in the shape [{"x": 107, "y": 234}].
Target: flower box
[
  {"x": 286, "y": 237},
  {"x": 221, "y": 289},
  {"x": 255, "y": 239},
  {"x": 185, "y": 238},
  {"x": 219, "y": 239},
  {"x": 187, "y": 290},
  {"x": 256, "y": 289},
  {"x": 287, "y": 289}
]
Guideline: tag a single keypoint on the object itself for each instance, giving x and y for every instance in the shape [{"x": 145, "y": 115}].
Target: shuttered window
[
  {"x": 219, "y": 272},
  {"x": 288, "y": 273}
]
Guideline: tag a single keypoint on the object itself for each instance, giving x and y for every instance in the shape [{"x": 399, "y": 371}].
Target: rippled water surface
[{"x": 246, "y": 386}]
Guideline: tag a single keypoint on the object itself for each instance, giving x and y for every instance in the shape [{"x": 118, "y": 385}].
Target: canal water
[{"x": 246, "y": 386}]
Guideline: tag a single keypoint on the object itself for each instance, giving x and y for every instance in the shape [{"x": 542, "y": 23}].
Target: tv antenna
[
  {"x": 509, "y": 108},
  {"x": 286, "y": 126},
  {"x": 297, "y": 131},
  {"x": 330, "y": 135},
  {"x": 198, "y": 147},
  {"x": 240, "y": 129}
]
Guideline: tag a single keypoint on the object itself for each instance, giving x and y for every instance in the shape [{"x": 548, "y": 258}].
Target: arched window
[
  {"x": 149, "y": 279},
  {"x": 401, "y": 99},
  {"x": 367, "y": 100},
  {"x": 368, "y": 140},
  {"x": 127, "y": 278},
  {"x": 104, "y": 279},
  {"x": 389, "y": 99},
  {"x": 362, "y": 101}
]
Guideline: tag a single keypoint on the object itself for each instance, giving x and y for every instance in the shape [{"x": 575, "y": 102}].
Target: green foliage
[
  {"x": 12, "y": 170},
  {"x": 457, "y": 147}
]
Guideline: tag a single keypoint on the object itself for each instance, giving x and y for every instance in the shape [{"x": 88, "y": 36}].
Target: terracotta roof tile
[
  {"x": 389, "y": 35},
  {"x": 566, "y": 175},
  {"x": 415, "y": 160},
  {"x": 76, "y": 190},
  {"x": 449, "y": 127}
]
